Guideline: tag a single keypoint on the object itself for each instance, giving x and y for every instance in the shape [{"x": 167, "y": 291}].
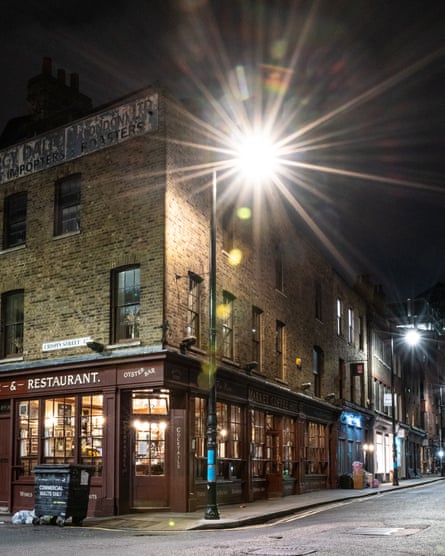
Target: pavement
[{"x": 251, "y": 513}]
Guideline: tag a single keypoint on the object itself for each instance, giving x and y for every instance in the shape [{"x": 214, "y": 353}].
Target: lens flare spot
[
  {"x": 244, "y": 213},
  {"x": 171, "y": 523},
  {"x": 235, "y": 257}
]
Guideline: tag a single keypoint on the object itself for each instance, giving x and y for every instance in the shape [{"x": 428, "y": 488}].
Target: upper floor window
[
  {"x": 280, "y": 347},
  {"x": 350, "y": 325},
  {"x": 228, "y": 225},
  {"x": 361, "y": 334},
  {"x": 339, "y": 317},
  {"x": 125, "y": 303},
  {"x": 318, "y": 305},
  {"x": 279, "y": 273},
  {"x": 227, "y": 326},
  {"x": 12, "y": 323},
  {"x": 67, "y": 205},
  {"x": 194, "y": 306},
  {"x": 257, "y": 335},
  {"x": 15, "y": 220}
]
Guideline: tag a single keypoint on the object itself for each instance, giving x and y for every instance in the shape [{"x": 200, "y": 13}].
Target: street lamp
[
  {"x": 254, "y": 159},
  {"x": 395, "y": 474},
  {"x": 212, "y": 508}
]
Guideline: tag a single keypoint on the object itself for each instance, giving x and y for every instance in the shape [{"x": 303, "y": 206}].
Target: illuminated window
[
  {"x": 126, "y": 303},
  {"x": 92, "y": 431},
  {"x": 339, "y": 317},
  {"x": 59, "y": 430},
  {"x": 350, "y": 326},
  {"x": 28, "y": 435}
]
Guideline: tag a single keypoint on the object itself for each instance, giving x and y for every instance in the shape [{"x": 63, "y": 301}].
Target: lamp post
[
  {"x": 212, "y": 508},
  {"x": 255, "y": 160},
  {"x": 395, "y": 475}
]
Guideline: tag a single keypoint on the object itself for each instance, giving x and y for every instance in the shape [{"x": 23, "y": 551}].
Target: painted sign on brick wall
[{"x": 99, "y": 131}]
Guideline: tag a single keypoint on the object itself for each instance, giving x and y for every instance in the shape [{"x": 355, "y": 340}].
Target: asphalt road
[{"x": 404, "y": 522}]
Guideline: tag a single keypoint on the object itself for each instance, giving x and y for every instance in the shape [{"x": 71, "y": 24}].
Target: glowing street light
[{"x": 255, "y": 160}]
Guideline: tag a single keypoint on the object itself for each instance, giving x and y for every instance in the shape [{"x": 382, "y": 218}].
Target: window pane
[
  {"x": 59, "y": 428},
  {"x": 92, "y": 432},
  {"x": 67, "y": 210},
  {"x": 28, "y": 435},
  {"x": 12, "y": 317},
  {"x": 15, "y": 220},
  {"x": 127, "y": 307}
]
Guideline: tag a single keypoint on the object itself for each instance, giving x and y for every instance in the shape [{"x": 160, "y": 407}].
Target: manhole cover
[{"x": 384, "y": 531}]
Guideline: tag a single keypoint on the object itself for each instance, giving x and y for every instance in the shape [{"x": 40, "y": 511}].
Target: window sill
[
  {"x": 68, "y": 234},
  {"x": 11, "y": 359},
  {"x": 123, "y": 345},
  {"x": 12, "y": 249}
]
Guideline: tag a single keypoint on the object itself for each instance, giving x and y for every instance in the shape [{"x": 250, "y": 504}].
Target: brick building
[{"x": 104, "y": 322}]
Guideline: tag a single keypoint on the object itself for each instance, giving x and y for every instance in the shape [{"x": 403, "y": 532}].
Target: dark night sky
[{"x": 382, "y": 62}]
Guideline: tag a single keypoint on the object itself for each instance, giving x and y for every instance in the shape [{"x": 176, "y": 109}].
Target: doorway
[{"x": 150, "y": 457}]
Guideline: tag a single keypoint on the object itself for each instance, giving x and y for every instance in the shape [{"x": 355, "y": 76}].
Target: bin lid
[{"x": 60, "y": 467}]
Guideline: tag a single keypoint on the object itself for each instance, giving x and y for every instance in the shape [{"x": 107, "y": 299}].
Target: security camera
[
  {"x": 306, "y": 385},
  {"x": 251, "y": 365},
  {"x": 330, "y": 396}
]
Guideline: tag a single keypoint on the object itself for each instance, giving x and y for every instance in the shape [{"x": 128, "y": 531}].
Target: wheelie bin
[{"x": 61, "y": 492}]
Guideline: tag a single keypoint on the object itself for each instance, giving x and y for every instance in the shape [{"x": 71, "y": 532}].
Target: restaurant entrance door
[{"x": 150, "y": 427}]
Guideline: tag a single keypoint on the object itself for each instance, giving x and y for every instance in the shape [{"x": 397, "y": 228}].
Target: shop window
[
  {"x": 67, "y": 205},
  {"x": 58, "y": 430},
  {"x": 150, "y": 424},
  {"x": 315, "y": 449},
  {"x": 199, "y": 443},
  {"x": 230, "y": 465},
  {"x": 28, "y": 435},
  {"x": 92, "y": 431},
  {"x": 15, "y": 220},
  {"x": 289, "y": 451},
  {"x": 258, "y": 443},
  {"x": 126, "y": 303},
  {"x": 58, "y": 436},
  {"x": 12, "y": 323}
]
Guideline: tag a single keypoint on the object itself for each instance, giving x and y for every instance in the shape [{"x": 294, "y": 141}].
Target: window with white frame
[
  {"x": 350, "y": 325},
  {"x": 125, "y": 303},
  {"x": 339, "y": 307}
]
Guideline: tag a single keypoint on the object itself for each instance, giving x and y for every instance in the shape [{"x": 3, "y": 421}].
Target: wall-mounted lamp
[
  {"x": 251, "y": 365},
  {"x": 96, "y": 346},
  {"x": 187, "y": 343},
  {"x": 298, "y": 363},
  {"x": 306, "y": 385}
]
